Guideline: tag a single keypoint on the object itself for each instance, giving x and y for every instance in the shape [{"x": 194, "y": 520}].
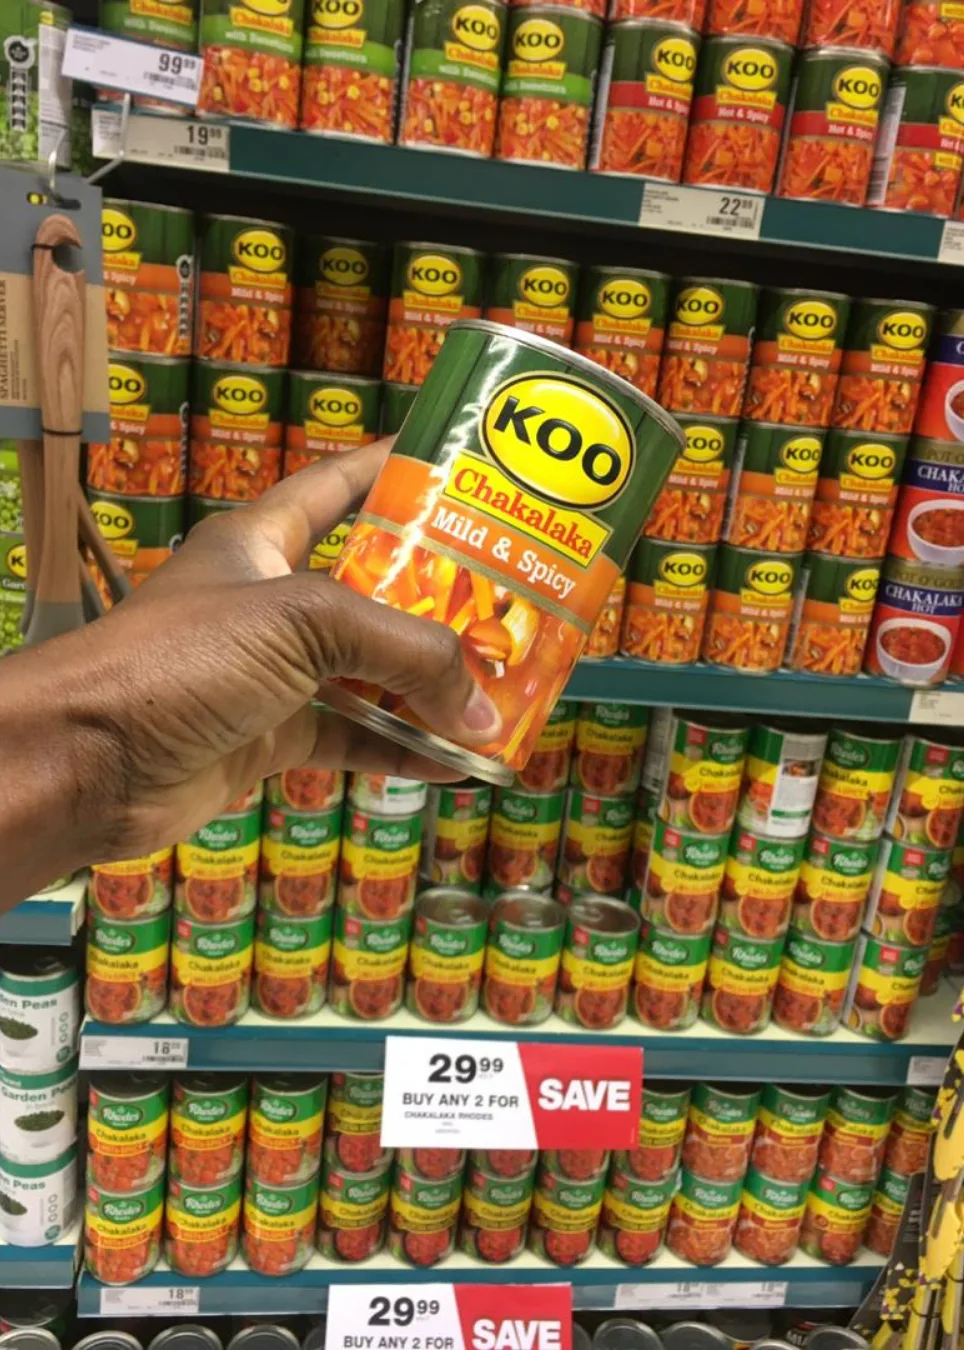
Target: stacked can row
[
  {"x": 645, "y": 94},
  {"x": 208, "y": 1167}
]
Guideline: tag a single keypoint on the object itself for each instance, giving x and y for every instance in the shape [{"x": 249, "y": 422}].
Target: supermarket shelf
[
  {"x": 327, "y": 1042},
  {"x": 52, "y": 1267},
  {"x": 51, "y": 919},
  {"x": 810, "y": 1283},
  {"x": 490, "y": 188},
  {"x": 865, "y": 697}
]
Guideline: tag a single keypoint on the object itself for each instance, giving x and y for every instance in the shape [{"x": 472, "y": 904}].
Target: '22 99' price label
[
  {"x": 466, "y": 1093},
  {"x": 449, "y": 1317}
]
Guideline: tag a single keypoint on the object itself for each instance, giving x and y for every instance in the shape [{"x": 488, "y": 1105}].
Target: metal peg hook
[{"x": 118, "y": 159}]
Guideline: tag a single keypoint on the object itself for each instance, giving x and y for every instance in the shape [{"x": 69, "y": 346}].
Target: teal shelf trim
[
  {"x": 810, "y": 1284},
  {"x": 53, "y": 1267},
  {"x": 47, "y": 920}
]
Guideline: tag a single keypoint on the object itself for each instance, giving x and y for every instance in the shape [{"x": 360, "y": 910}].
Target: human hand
[{"x": 201, "y": 682}]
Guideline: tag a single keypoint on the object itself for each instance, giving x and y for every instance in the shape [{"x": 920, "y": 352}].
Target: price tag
[
  {"x": 133, "y": 1052},
  {"x": 952, "y": 243},
  {"x": 689, "y": 1294},
  {"x": 937, "y": 707},
  {"x": 925, "y": 1071},
  {"x": 132, "y": 67},
  {"x": 734, "y": 215},
  {"x": 162, "y": 140},
  {"x": 151, "y": 1302},
  {"x": 449, "y": 1317},
  {"x": 461, "y": 1093}
]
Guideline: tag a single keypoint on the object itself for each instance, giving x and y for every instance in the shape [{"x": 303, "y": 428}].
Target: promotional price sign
[
  {"x": 462, "y": 1093},
  {"x": 449, "y": 1317}
]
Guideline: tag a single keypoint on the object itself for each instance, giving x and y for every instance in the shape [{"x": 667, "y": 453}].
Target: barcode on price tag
[
  {"x": 180, "y": 1299},
  {"x": 689, "y": 1294},
  {"x": 925, "y": 1071},
  {"x": 133, "y": 1052},
  {"x": 735, "y": 215},
  {"x": 162, "y": 140},
  {"x": 131, "y": 67}
]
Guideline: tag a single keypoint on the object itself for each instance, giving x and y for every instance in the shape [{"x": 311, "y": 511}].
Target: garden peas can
[
  {"x": 920, "y": 151},
  {"x": 252, "y": 69},
  {"x": 350, "y": 80},
  {"x": 669, "y": 974},
  {"x": 452, "y": 74},
  {"x": 596, "y": 840},
  {"x": 39, "y": 1009},
  {"x": 834, "y": 882},
  {"x": 661, "y": 1126},
  {"x": 351, "y": 1215},
  {"x": 695, "y": 769},
  {"x": 533, "y": 293},
  {"x": 446, "y": 954},
  {"x": 759, "y": 880},
  {"x": 522, "y": 958},
  {"x": 522, "y": 634},
  {"x": 597, "y": 962},
  {"x": 740, "y": 980},
  {"x": 829, "y": 153},
  {"x": 690, "y": 508},
  {"x": 552, "y": 56},
  {"x": 127, "y": 962},
  {"x": 341, "y": 304},
  {"x": 378, "y": 869},
  {"x": 36, "y": 108},
  {"x": 548, "y": 767},
  {"x": 788, "y": 1130},
  {"x": 564, "y": 1216},
  {"x": 328, "y": 414},
  {"x": 208, "y": 1117},
  {"x": 621, "y": 322},
  {"x": 149, "y": 273},
  {"x": 127, "y": 1124},
  {"x": 812, "y": 983},
  {"x": 285, "y": 1126},
  {"x": 885, "y": 354},
  {"x": 780, "y": 779},
  {"x": 495, "y": 1213},
  {"x": 38, "y": 1112},
  {"x": 832, "y": 611},
  {"x": 856, "y": 779},
  {"x": 432, "y": 286},
  {"x": 742, "y": 87},
  {"x": 905, "y": 892},
  {"x": 524, "y": 835},
  {"x": 41, "y": 1199},
  {"x": 291, "y": 958},
  {"x": 634, "y": 1216},
  {"x": 217, "y": 868},
  {"x": 354, "y": 1123},
  {"x": 237, "y": 417},
  {"x": 455, "y": 831},
  {"x": 368, "y": 967},
  {"x": 884, "y": 984},
  {"x": 147, "y": 451},
  {"x": 668, "y": 595},
  {"x": 643, "y": 107},
  {"x": 211, "y": 970},
  {"x": 299, "y": 861},
  {"x": 245, "y": 289}
]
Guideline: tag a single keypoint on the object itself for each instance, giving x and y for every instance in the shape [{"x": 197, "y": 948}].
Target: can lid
[
  {"x": 606, "y": 915},
  {"x": 834, "y": 1338},
  {"x": 625, "y": 1333},
  {"x": 32, "y": 1338},
  {"x": 264, "y": 1338},
  {"x": 125, "y": 1086},
  {"x": 99, "y": 1340},
  {"x": 453, "y": 906},
  {"x": 190, "y": 1336},
  {"x": 692, "y": 1336},
  {"x": 315, "y": 1340}
]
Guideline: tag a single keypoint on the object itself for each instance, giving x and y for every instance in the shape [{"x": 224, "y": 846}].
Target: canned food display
[
  {"x": 856, "y": 491},
  {"x": 833, "y": 608},
  {"x": 127, "y": 1121},
  {"x": 774, "y": 477},
  {"x": 927, "y": 803},
  {"x": 423, "y": 1217},
  {"x": 454, "y": 69},
  {"x": 299, "y": 861},
  {"x": 832, "y": 128},
  {"x": 141, "y": 533},
  {"x": 642, "y": 115},
  {"x": 252, "y": 70},
  {"x": 684, "y": 873},
  {"x": 740, "y": 103},
  {"x": 905, "y": 892},
  {"x": 353, "y": 1123},
  {"x": 122, "y": 1233},
  {"x": 349, "y": 84},
  {"x": 884, "y": 984},
  {"x": 533, "y": 293},
  {"x": 608, "y": 750},
  {"x": 352, "y": 1213},
  {"x": 835, "y": 879},
  {"x": 201, "y": 1226},
  {"x": 135, "y": 888},
  {"x": 146, "y": 455},
  {"x": 378, "y": 866},
  {"x": 662, "y": 1124},
  {"x": 455, "y": 832},
  {"x": 564, "y": 1216},
  {"x": 694, "y": 768},
  {"x": 759, "y": 880},
  {"x": 910, "y": 1133},
  {"x": 751, "y": 605},
  {"x": 812, "y": 984},
  {"x": 719, "y": 1132},
  {"x": 707, "y": 346},
  {"x": 932, "y": 34},
  {"x": 285, "y": 1123},
  {"x": 886, "y": 1210},
  {"x": 548, "y": 767},
  {"x": 881, "y": 372},
  {"x": 836, "y": 1216},
  {"x": 208, "y": 1119},
  {"x": 38, "y": 1112},
  {"x": 940, "y": 396},
  {"x": 446, "y": 955},
  {"x": 690, "y": 13},
  {"x": 771, "y": 1213},
  {"x": 291, "y": 959},
  {"x": 495, "y": 1214},
  {"x": 596, "y": 841},
  {"x": 929, "y": 521},
  {"x": 634, "y": 1217},
  {"x": 915, "y": 622},
  {"x": 780, "y": 778},
  {"x": 341, "y": 304},
  {"x": 237, "y": 417},
  {"x": 702, "y": 1219},
  {"x": 670, "y": 971},
  {"x": 866, "y": 25},
  {"x": 856, "y": 780},
  {"x": 149, "y": 275},
  {"x": 920, "y": 155},
  {"x": 211, "y": 970},
  {"x": 327, "y": 414},
  {"x": 621, "y": 322},
  {"x": 278, "y": 1229},
  {"x": 667, "y": 598},
  {"x": 432, "y": 285},
  {"x": 380, "y": 794},
  {"x": 524, "y": 833},
  {"x": 796, "y": 359},
  {"x": 245, "y": 287},
  {"x": 598, "y": 953},
  {"x": 603, "y": 640},
  {"x": 789, "y": 1127},
  {"x": 690, "y": 507},
  {"x": 740, "y": 981},
  {"x": 368, "y": 965},
  {"x": 522, "y": 958},
  {"x": 855, "y": 1133},
  {"x": 551, "y": 61},
  {"x": 127, "y": 964}
]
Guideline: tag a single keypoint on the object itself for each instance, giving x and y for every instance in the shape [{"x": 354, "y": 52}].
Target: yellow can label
[
  {"x": 511, "y": 970},
  {"x": 889, "y": 989},
  {"x": 595, "y": 738},
  {"x": 341, "y": 1214},
  {"x": 124, "y": 967},
  {"x": 732, "y": 1131},
  {"x": 667, "y": 978},
  {"x": 560, "y": 1219},
  {"x": 789, "y": 1129},
  {"x": 865, "y": 1131},
  {"x": 282, "y": 859},
  {"x": 936, "y": 794},
  {"x": 833, "y": 1219},
  {"x": 820, "y": 883},
  {"x": 297, "y": 964},
  {"x": 676, "y": 876},
  {"x": 660, "y": 1133},
  {"x": 812, "y": 982},
  {"x": 597, "y": 841},
  {"x": 276, "y": 1227},
  {"x": 414, "y": 1219},
  {"x": 752, "y": 1204},
  {"x": 362, "y": 861},
  {"x": 119, "y": 1236},
  {"x": 913, "y": 892},
  {"x": 193, "y": 861},
  {"x": 556, "y": 736},
  {"x": 205, "y": 1134},
  {"x": 856, "y": 784},
  {"x": 351, "y": 1118},
  {"x": 367, "y": 965},
  {"x": 192, "y": 970},
  {"x": 424, "y": 964},
  {"x": 630, "y": 1219},
  {"x": 594, "y": 974},
  {"x": 187, "y": 1227},
  {"x": 528, "y": 835},
  {"x": 723, "y": 974},
  {"x": 121, "y": 1143},
  {"x": 694, "y": 1210},
  {"x": 134, "y": 867},
  {"x": 483, "y": 1214},
  {"x": 706, "y": 775},
  {"x": 464, "y": 834}
]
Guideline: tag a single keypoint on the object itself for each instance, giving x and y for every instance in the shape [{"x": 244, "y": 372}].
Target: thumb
[{"x": 418, "y": 659}]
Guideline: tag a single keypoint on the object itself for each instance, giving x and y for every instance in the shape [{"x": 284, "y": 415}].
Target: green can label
[
  {"x": 771, "y": 1201},
  {"x": 563, "y": 1206},
  {"x": 707, "y": 457},
  {"x": 856, "y": 780},
  {"x": 634, "y": 1206},
  {"x": 552, "y": 52},
  {"x": 496, "y": 1203},
  {"x": 361, "y": 35},
  {"x": 533, "y": 293},
  {"x": 244, "y": 260},
  {"x": 663, "y": 1117},
  {"x": 350, "y": 1202},
  {"x": 127, "y": 966},
  {"x": 397, "y": 399},
  {"x": 458, "y": 41},
  {"x": 245, "y": 24},
  {"x": 835, "y": 878},
  {"x": 529, "y": 823},
  {"x": 446, "y": 957},
  {"x": 622, "y": 308},
  {"x": 234, "y": 405},
  {"x": 813, "y": 979},
  {"x": 700, "y": 1199},
  {"x": 851, "y": 1108},
  {"x": 861, "y": 468},
  {"x": 328, "y": 413},
  {"x": 521, "y": 965},
  {"x": 838, "y": 95},
  {"x": 148, "y": 396},
  {"x": 420, "y": 1206},
  {"x": 891, "y": 337}
]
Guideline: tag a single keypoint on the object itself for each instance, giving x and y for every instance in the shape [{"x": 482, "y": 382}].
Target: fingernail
[{"x": 480, "y": 714}]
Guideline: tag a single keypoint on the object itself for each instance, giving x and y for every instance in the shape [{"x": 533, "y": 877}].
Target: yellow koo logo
[
  {"x": 559, "y": 438},
  {"x": 625, "y": 298},
  {"x": 862, "y": 584},
  {"x": 260, "y": 250},
  {"x": 240, "y": 394},
  {"x": 955, "y": 102},
  {"x": 810, "y": 319},
  {"x": 17, "y": 560},
  {"x": 697, "y": 305},
  {"x": 683, "y": 569},
  {"x": 343, "y": 266},
  {"x": 801, "y": 454},
  {"x": 903, "y": 330},
  {"x": 337, "y": 13},
  {"x": 675, "y": 58},
  {"x": 113, "y": 520},
  {"x": 125, "y": 384},
  {"x": 335, "y": 407},
  {"x": 118, "y": 232},
  {"x": 545, "y": 285},
  {"x": 858, "y": 87},
  {"x": 271, "y": 9},
  {"x": 873, "y": 460},
  {"x": 703, "y": 444},
  {"x": 433, "y": 274},
  {"x": 476, "y": 27},
  {"x": 769, "y": 577},
  {"x": 750, "y": 68},
  {"x": 329, "y": 548},
  {"x": 538, "y": 40}
]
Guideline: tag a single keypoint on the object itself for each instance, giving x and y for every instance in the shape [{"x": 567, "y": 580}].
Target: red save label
[
  {"x": 515, "y": 1317},
  {"x": 584, "y": 1096}
]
